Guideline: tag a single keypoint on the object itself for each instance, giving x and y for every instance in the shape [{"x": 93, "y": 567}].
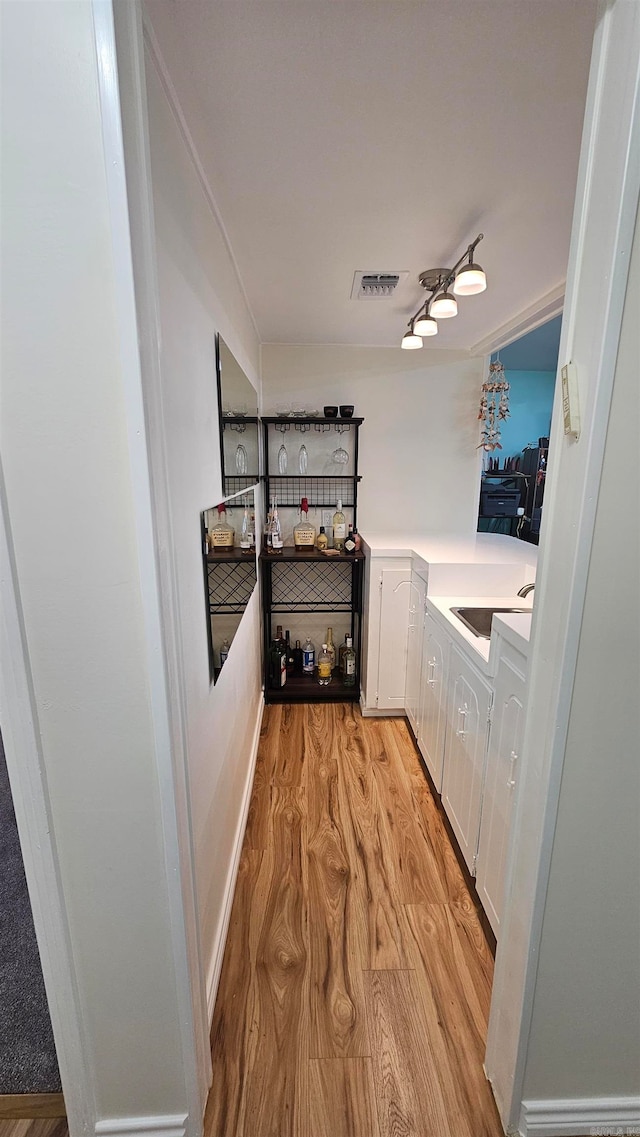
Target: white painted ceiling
[{"x": 383, "y": 135}]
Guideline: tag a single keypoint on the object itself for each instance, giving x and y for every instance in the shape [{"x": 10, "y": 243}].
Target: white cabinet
[
  {"x": 500, "y": 780},
  {"x": 468, "y": 711},
  {"x": 387, "y": 600},
  {"x": 432, "y": 709},
  {"x": 418, "y": 592}
]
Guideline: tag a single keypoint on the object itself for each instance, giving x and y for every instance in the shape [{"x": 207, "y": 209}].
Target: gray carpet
[{"x": 28, "y": 1063}]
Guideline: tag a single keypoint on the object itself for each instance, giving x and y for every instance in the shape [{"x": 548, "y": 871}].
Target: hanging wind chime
[{"x": 494, "y": 407}]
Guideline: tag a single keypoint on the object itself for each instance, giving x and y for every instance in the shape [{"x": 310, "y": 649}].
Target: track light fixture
[{"x": 445, "y": 284}]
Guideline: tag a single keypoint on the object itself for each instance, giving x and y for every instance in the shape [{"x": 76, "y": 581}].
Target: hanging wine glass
[
  {"x": 282, "y": 459},
  {"x": 303, "y": 459}
]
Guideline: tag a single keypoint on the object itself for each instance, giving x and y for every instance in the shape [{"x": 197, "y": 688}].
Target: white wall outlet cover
[{"x": 327, "y": 517}]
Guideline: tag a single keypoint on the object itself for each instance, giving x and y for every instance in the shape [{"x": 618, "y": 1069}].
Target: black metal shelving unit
[{"x": 308, "y": 581}]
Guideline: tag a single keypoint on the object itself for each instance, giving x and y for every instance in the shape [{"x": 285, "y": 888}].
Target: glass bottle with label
[
  {"x": 225, "y": 648},
  {"x": 297, "y": 659},
  {"x": 324, "y": 667},
  {"x": 304, "y": 534},
  {"x": 339, "y": 527},
  {"x": 222, "y": 534},
  {"x": 290, "y": 659},
  {"x": 331, "y": 647},
  {"x": 350, "y": 541},
  {"x": 322, "y": 541},
  {"x": 341, "y": 651},
  {"x": 278, "y": 662},
  {"x": 349, "y": 665},
  {"x": 274, "y": 539},
  {"x": 245, "y": 532},
  {"x": 308, "y": 657}
]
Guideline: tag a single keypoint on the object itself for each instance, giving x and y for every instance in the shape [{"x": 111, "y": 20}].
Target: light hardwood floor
[
  {"x": 356, "y": 981},
  {"x": 38, "y": 1127}
]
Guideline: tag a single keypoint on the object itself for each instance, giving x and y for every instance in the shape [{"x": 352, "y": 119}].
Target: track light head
[
  {"x": 425, "y": 325},
  {"x": 444, "y": 306},
  {"x": 470, "y": 280},
  {"x": 410, "y": 341}
]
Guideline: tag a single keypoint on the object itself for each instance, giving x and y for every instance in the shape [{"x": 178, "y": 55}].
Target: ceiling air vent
[{"x": 376, "y": 285}]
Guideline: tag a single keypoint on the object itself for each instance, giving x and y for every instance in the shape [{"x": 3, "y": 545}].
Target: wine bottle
[
  {"x": 289, "y": 651},
  {"x": 349, "y": 665},
  {"x": 297, "y": 659},
  {"x": 275, "y": 530},
  {"x": 339, "y": 527}
]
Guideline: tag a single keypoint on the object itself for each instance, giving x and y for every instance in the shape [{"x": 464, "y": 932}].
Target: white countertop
[
  {"x": 514, "y": 627},
  {"x": 442, "y": 548}
]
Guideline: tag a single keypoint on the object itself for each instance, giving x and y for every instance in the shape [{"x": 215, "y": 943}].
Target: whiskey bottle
[
  {"x": 339, "y": 527},
  {"x": 324, "y": 667},
  {"x": 304, "y": 534},
  {"x": 349, "y": 665},
  {"x": 222, "y": 534}
]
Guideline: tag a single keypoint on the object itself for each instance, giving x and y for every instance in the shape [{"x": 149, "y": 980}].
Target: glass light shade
[
  {"x": 470, "y": 280},
  {"x": 425, "y": 325},
  {"x": 444, "y": 306},
  {"x": 410, "y": 342}
]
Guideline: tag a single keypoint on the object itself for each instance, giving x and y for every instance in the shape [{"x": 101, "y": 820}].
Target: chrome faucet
[{"x": 526, "y": 589}]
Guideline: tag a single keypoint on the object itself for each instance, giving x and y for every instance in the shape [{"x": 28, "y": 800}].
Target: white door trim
[
  {"x": 138, "y": 327},
  {"x": 609, "y": 172},
  {"x": 27, "y": 776},
  {"x": 546, "y": 308}
]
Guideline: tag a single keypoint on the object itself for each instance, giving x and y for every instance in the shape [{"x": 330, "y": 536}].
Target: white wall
[
  {"x": 418, "y": 459},
  {"x": 585, "y": 1031},
  {"x": 71, "y": 508},
  {"x": 199, "y": 294}
]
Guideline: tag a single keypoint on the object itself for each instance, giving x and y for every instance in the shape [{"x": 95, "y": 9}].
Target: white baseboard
[
  {"x": 217, "y": 955},
  {"x": 174, "y": 1125},
  {"x": 580, "y": 1117},
  {"x": 374, "y": 713}
]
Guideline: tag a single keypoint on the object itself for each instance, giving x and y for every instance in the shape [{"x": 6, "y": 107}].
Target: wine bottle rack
[{"x": 308, "y": 581}]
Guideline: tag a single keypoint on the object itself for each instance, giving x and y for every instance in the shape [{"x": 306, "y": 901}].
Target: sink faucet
[{"x": 526, "y": 589}]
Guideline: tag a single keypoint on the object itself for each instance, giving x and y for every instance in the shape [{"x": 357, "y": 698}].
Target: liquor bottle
[
  {"x": 267, "y": 528},
  {"x": 339, "y": 527},
  {"x": 245, "y": 532},
  {"x": 252, "y": 529},
  {"x": 304, "y": 534},
  {"x": 222, "y": 534},
  {"x": 289, "y": 652},
  {"x": 331, "y": 647},
  {"x": 297, "y": 659},
  {"x": 308, "y": 657},
  {"x": 277, "y": 664},
  {"x": 322, "y": 540},
  {"x": 349, "y": 541},
  {"x": 225, "y": 648},
  {"x": 349, "y": 665},
  {"x": 324, "y": 667},
  {"x": 275, "y": 530},
  {"x": 358, "y": 539},
  {"x": 280, "y": 640},
  {"x": 341, "y": 651}
]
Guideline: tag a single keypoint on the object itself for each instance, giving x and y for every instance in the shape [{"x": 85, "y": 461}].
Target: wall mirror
[
  {"x": 238, "y": 414},
  {"x": 229, "y": 573}
]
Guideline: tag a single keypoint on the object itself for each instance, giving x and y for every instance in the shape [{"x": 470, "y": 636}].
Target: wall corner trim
[
  {"x": 572, "y": 1117},
  {"x": 162, "y": 1125}
]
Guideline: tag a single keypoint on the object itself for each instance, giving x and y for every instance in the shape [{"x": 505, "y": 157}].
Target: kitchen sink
[{"x": 478, "y": 620}]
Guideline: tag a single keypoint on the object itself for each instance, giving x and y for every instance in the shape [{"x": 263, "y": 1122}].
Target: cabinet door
[
  {"x": 395, "y": 593},
  {"x": 500, "y": 780},
  {"x": 465, "y": 749},
  {"x": 414, "y": 649},
  {"x": 432, "y": 714}
]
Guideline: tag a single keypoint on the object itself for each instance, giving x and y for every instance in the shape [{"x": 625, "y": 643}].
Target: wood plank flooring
[{"x": 355, "y": 988}]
